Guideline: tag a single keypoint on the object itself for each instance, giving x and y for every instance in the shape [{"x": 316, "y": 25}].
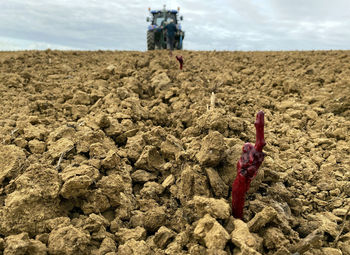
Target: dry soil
[{"x": 123, "y": 153}]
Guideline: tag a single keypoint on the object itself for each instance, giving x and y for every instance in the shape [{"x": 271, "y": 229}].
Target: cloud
[
  {"x": 11, "y": 44},
  {"x": 80, "y": 24},
  {"x": 311, "y": 10},
  {"x": 217, "y": 24}
]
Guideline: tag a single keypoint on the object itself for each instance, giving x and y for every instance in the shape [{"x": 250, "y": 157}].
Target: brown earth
[{"x": 123, "y": 153}]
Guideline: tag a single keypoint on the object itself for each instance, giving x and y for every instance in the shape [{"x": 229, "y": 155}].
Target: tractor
[{"x": 156, "y": 34}]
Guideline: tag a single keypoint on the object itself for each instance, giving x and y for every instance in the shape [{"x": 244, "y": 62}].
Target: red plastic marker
[
  {"x": 181, "y": 61},
  {"x": 247, "y": 167}
]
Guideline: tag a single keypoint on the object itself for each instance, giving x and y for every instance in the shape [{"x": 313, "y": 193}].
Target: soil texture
[{"x": 123, "y": 153}]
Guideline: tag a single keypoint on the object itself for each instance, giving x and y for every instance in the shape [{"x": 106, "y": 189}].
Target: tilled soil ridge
[{"x": 123, "y": 153}]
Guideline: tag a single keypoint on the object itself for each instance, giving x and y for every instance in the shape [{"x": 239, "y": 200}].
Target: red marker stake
[
  {"x": 181, "y": 61},
  {"x": 247, "y": 167}
]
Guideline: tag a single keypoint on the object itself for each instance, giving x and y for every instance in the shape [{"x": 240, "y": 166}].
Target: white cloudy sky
[{"x": 209, "y": 24}]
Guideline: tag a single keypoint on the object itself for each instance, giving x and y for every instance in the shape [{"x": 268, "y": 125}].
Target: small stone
[{"x": 168, "y": 181}]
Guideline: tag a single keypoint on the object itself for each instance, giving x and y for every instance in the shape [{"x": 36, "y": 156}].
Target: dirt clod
[
  {"x": 21, "y": 244},
  {"x": 245, "y": 241},
  {"x": 211, "y": 233},
  {"x": 68, "y": 240},
  {"x": 217, "y": 208}
]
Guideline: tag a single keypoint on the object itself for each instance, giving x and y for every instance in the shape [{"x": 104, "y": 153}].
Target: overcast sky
[{"x": 208, "y": 24}]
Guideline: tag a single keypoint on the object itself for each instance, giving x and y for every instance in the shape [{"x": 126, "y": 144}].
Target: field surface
[{"x": 123, "y": 153}]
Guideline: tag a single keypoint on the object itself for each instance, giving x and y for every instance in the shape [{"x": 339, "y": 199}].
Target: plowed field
[{"x": 123, "y": 153}]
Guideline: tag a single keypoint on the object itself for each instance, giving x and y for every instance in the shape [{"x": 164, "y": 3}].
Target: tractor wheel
[
  {"x": 179, "y": 46},
  {"x": 181, "y": 41},
  {"x": 150, "y": 40}
]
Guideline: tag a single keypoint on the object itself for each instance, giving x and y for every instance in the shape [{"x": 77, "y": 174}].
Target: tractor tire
[
  {"x": 179, "y": 40},
  {"x": 178, "y": 46},
  {"x": 150, "y": 40}
]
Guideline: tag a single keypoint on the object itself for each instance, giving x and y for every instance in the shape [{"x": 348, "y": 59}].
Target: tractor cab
[{"x": 160, "y": 17}]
